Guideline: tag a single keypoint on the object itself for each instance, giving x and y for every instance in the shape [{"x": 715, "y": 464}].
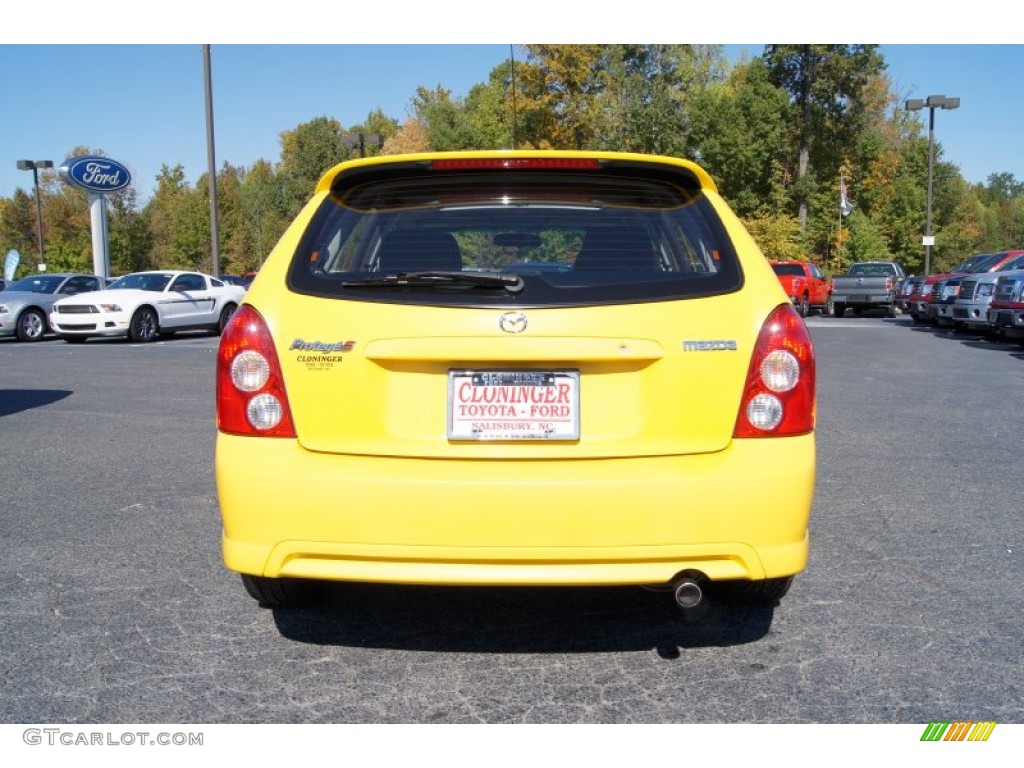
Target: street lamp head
[
  {"x": 942, "y": 102},
  {"x": 31, "y": 165},
  {"x": 913, "y": 105}
]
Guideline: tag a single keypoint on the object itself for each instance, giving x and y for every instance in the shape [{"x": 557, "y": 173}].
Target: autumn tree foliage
[{"x": 775, "y": 132}]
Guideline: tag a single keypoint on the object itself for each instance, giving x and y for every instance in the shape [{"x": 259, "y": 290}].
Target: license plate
[{"x": 513, "y": 405}]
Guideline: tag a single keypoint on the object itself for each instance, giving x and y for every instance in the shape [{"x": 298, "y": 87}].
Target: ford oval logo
[{"x": 95, "y": 174}]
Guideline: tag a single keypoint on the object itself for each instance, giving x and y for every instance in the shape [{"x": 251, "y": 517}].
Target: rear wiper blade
[{"x": 510, "y": 282}]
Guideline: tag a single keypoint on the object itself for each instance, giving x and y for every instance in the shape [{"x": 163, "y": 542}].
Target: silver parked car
[
  {"x": 1006, "y": 313},
  {"x": 970, "y": 310},
  {"x": 25, "y": 304}
]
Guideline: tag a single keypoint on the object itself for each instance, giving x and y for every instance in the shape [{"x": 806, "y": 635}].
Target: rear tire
[
  {"x": 838, "y": 309},
  {"x": 225, "y": 317},
  {"x": 278, "y": 593},
  {"x": 891, "y": 311},
  {"x": 804, "y": 308}
]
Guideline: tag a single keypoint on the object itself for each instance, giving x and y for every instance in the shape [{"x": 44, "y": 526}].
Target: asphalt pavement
[{"x": 116, "y": 607}]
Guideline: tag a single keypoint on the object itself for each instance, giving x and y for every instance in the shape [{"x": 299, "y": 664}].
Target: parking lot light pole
[
  {"x": 34, "y": 166},
  {"x": 931, "y": 104}
]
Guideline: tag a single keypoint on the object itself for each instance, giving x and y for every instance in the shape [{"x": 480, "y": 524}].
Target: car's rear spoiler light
[{"x": 517, "y": 163}]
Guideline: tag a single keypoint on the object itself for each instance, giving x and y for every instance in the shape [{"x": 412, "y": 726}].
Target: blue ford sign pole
[{"x": 98, "y": 176}]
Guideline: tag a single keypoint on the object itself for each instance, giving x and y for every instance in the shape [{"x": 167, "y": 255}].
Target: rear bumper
[
  {"x": 739, "y": 513},
  {"x": 866, "y": 301}
]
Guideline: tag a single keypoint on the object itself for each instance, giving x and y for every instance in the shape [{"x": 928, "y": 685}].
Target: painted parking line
[{"x": 863, "y": 325}]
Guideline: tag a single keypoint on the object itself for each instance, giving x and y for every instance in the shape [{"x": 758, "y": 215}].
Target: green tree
[
  {"x": 307, "y": 152},
  {"x": 738, "y": 134},
  {"x": 646, "y": 90},
  {"x": 179, "y": 218},
  {"x": 558, "y": 87},
  {"x": 864, "y": 241},
  {"x": 17, "y": 230},
  {"x": 129, "y": 237},
  {"x": 444, "y": 119},
  {"x": 826, "y": 84},
  {"x": 491, "y": 111},
  {"x": 264, "y": 216}
]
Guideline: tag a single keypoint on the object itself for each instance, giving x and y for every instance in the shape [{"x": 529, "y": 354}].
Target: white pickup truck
[{"x": 867, "y": 285}]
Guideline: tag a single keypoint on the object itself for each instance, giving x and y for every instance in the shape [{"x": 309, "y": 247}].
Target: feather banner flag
[{"x": 845, "y": 206}]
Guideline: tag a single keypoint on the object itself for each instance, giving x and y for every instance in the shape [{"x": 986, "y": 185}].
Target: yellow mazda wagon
[{"x": 516, "y": 368}]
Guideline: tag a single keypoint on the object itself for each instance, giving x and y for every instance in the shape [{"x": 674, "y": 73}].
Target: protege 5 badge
[{"x": 320, "y": 355}]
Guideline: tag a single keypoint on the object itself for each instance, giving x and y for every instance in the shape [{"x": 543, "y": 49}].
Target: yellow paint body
[{"x": 373, "y": 489}]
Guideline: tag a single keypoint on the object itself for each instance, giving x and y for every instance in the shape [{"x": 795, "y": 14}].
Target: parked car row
[
  {"x": 142, "y": 306},
  {"x": 982, "y": 294},
  {"x": 965, "y": 297}
]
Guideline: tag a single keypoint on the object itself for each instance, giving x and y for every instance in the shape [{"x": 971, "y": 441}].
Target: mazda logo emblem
[{"x": 512, "y": 322}]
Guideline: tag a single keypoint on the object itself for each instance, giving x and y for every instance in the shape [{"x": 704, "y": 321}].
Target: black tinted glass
[{"x": 572, "y": 238}]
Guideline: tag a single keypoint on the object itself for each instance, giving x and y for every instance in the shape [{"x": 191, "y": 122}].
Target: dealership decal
[{"x": 322, "y": 355}]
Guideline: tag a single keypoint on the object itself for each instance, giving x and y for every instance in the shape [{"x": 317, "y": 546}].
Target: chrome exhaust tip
[{"x": 688, "y": 593}]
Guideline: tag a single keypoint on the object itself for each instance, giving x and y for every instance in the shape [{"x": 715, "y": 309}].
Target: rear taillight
[
  {"x": 251, "y": 398},
  {"x": 778, "y": 398},
  {"x": 888, "y": 283}
]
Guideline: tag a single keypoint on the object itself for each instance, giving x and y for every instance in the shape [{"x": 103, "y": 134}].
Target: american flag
[{"x": 845, "y": 206}]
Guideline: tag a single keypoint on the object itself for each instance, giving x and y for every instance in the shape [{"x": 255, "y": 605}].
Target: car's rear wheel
[
  {"x": 805, "y": 307},
  {"x": 839, "y": 309},
  {"x": 891, "y": 311},
  {"x": 278, "y": 593},
  {"x": 31, "y": 325},
  {"x": 144, "y": 326},
  {"x": 225, "y": 317},
  {"x": 760, "y": 591},
  {"x": 828, "y": 307}
]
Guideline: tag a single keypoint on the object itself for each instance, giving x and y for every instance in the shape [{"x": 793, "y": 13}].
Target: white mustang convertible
[{"x": 145, "y": 305}]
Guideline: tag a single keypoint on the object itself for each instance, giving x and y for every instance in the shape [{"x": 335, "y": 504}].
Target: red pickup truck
[{"x": 806, "y": 287}]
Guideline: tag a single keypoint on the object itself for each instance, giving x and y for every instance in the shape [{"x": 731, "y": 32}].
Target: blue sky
[{"x": 144, "y": 104}]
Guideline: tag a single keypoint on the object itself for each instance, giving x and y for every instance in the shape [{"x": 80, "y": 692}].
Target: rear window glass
[
  {"x": 609, "y": 236},
  {"x": 872, "y": 270},
  {"x": 788, "y": 270}
]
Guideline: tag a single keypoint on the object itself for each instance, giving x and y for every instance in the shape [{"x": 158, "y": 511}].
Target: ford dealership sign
[{"x": 95, "y": 174}]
